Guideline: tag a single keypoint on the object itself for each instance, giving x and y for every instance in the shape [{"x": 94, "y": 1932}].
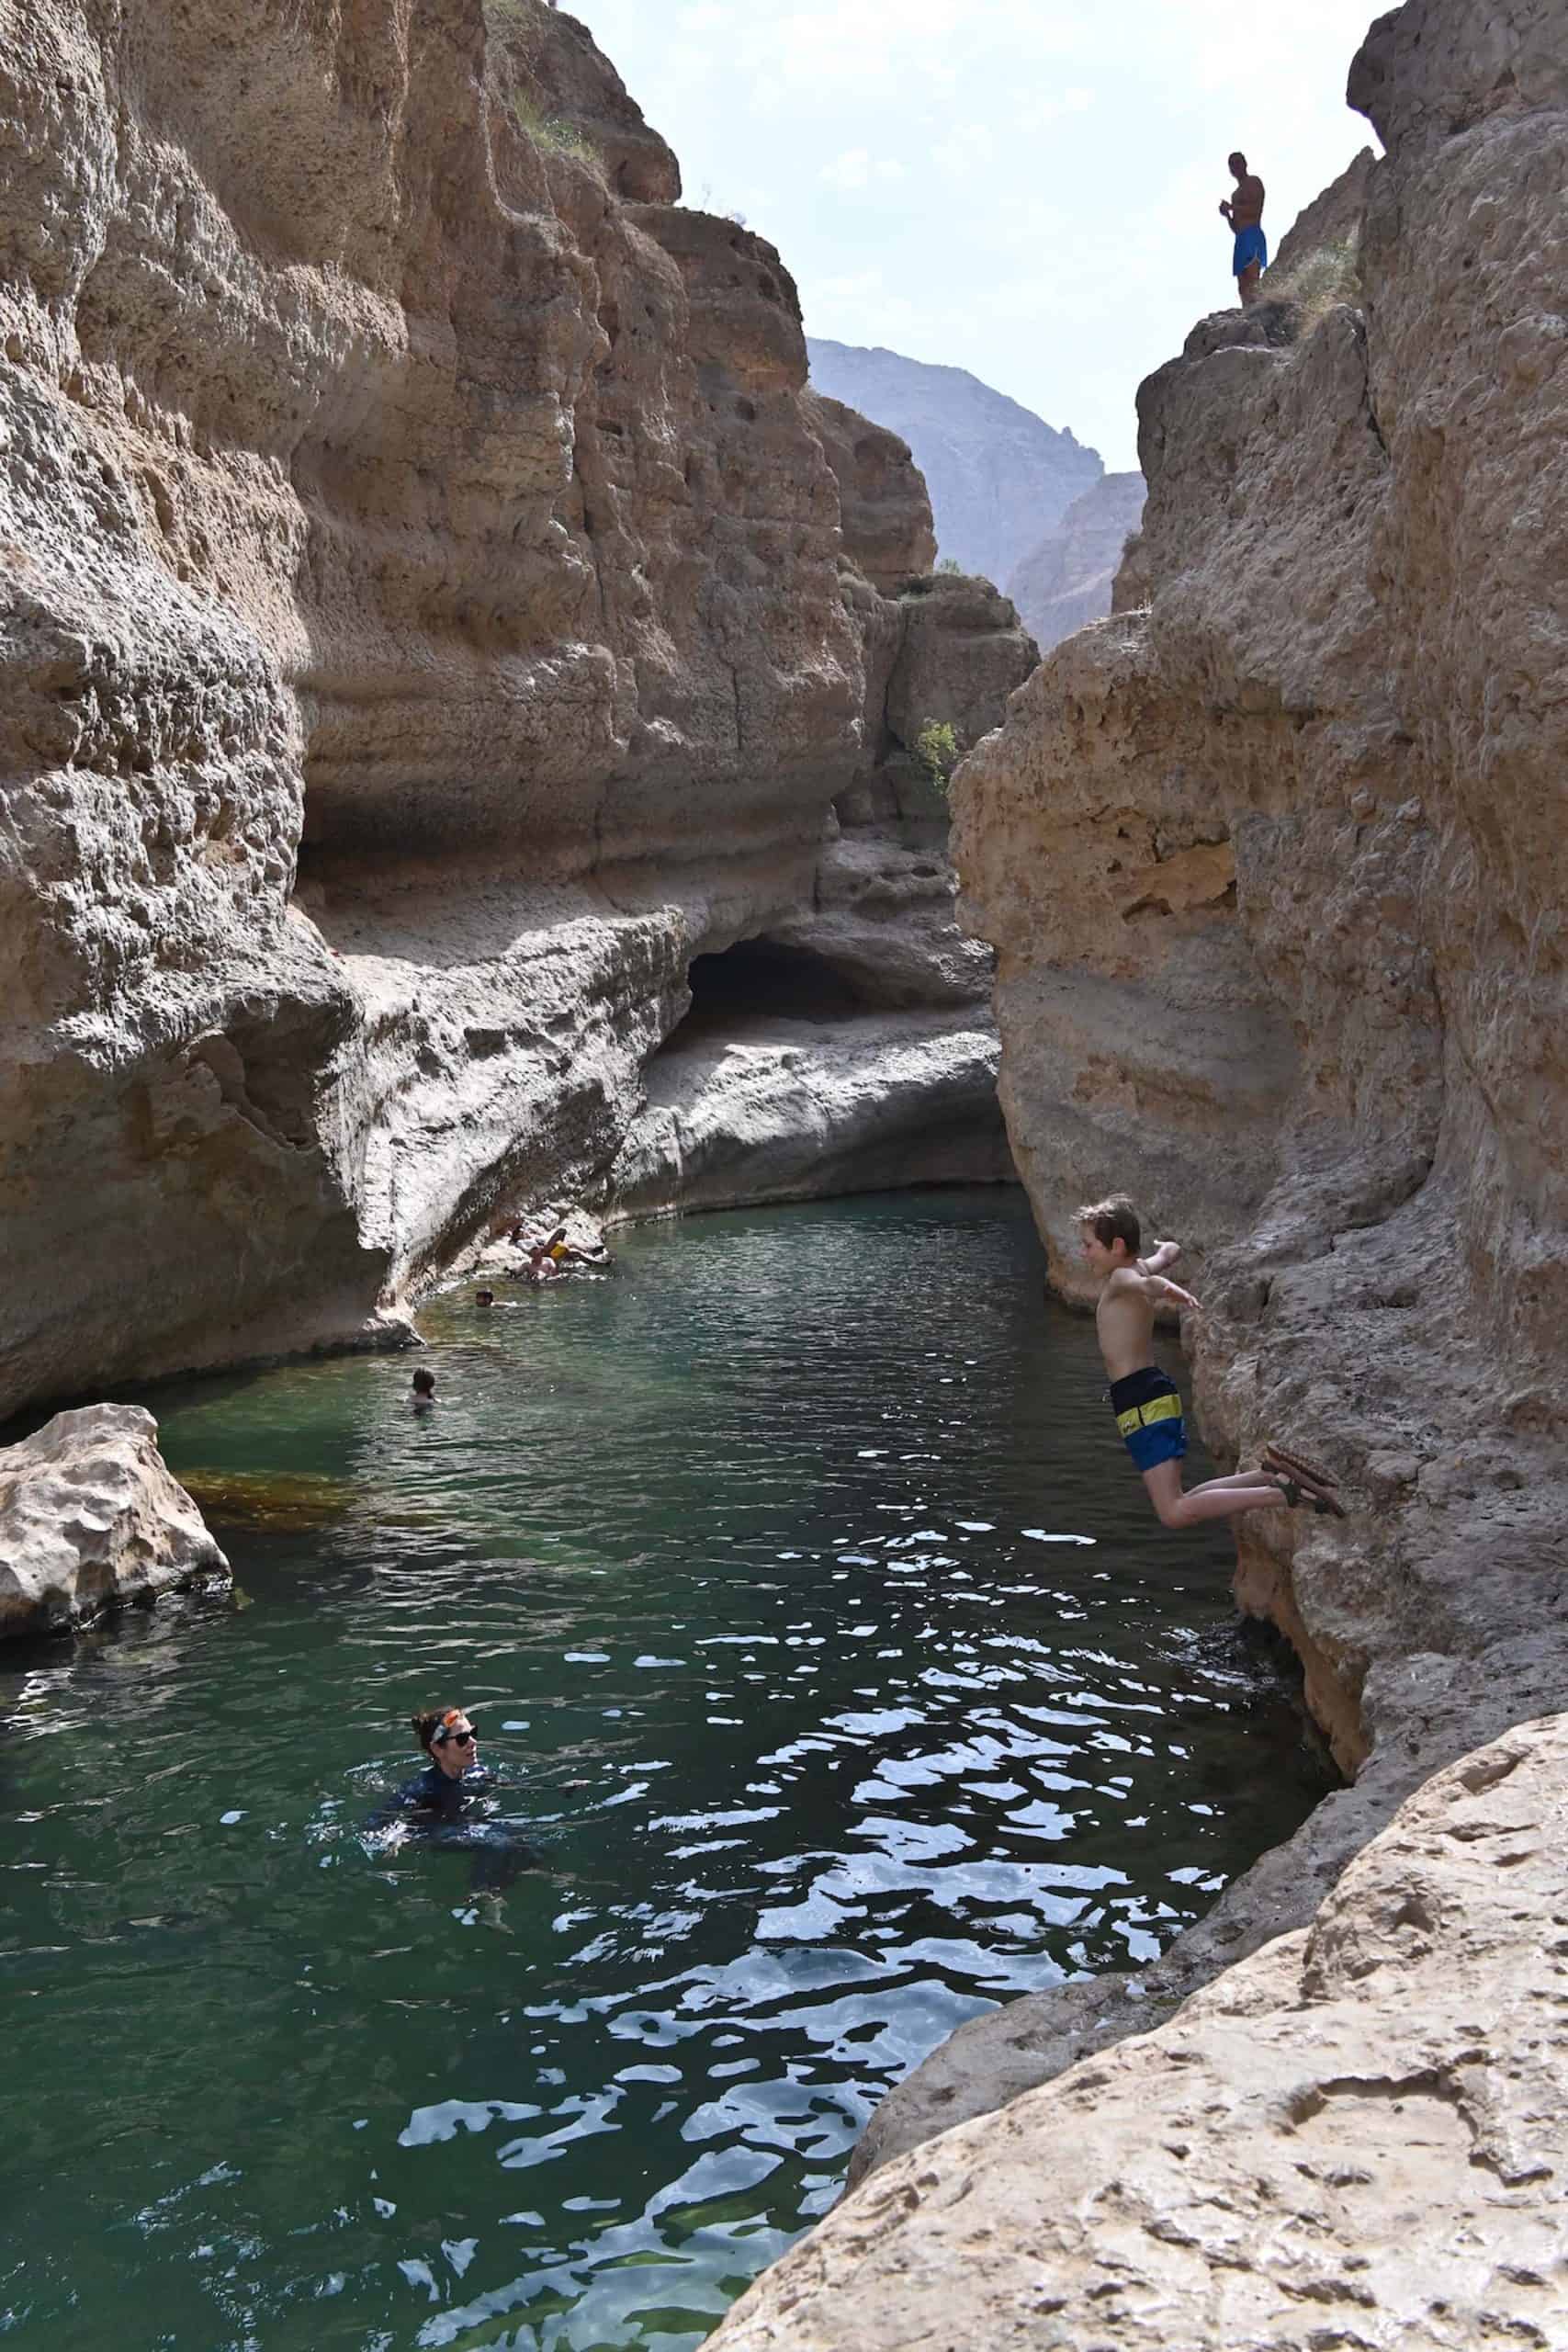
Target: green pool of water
[{"x": 821, "y": 1637}]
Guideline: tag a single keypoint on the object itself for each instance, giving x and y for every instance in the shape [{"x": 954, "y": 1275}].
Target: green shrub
[
  {"x": 948, "y": 566},
  {"x": 548, "y": 132},
  {"x": 1318, "y": 282},
  {"x": 938, "y": 750}
]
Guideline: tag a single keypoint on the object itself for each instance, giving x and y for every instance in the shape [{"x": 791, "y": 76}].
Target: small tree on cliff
[{"x": 938, "y": 750}]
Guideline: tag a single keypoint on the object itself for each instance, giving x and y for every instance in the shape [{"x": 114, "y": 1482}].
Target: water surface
[{"x": 820, "y": 1634}]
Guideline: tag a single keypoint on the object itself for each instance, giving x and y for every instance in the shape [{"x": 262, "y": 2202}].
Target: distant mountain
[
  {"x": 1066, "y": 581},
  {"x": 998, "y": 476}
]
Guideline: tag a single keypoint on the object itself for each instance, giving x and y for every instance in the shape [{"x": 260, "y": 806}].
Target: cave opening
[{"x": 761, "y": 980}]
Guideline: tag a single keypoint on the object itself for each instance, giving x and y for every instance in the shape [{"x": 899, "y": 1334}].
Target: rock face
[
  {"x": 998, "y": 476},
  {"x": 427, "y": 626},
  {"x": 90, "y": 1516},
  {"x": 784, "y": 1110},
  {"x": 1273, "y": 872},
  {"x": 1274, "y": 876},
  {"x": 1353, "y": 2138},
  {"x": 1332, "y": 219},
  {"x": 849, "y": 1047},
  {"x": 1274, "y": 880},
  {"x": 1066, "y": 581},
  {"x": 883, "y": 507}
]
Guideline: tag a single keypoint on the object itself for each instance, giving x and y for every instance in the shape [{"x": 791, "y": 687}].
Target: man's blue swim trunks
[
  {"x": 1147, "y": 1407},
  {"x": 1251, "y": 245}
]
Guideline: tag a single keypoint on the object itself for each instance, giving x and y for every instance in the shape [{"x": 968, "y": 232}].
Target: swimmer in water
[
  {"x": 449, "y": 1739},
  {"x": 422, "y": 1388},
  {"x": 1146, "y": 1402},
  {"x": 440, "y": 1806},
  {"x": 484, "y": 1298}
]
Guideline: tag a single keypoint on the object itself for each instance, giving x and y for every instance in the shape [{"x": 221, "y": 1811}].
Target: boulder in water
[{"x": 90, "y": 1515}]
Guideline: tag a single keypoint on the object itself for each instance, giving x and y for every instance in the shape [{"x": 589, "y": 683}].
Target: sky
[{"x": 1026, "y": 188}]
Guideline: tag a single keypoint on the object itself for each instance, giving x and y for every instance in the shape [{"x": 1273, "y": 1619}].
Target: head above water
[
  {"x": 423, "y": 1382},
  {"x": 1114, "y": 1224},
  {"x": 484, "y": 1298},
  {"x": 446, "y": 1736}
]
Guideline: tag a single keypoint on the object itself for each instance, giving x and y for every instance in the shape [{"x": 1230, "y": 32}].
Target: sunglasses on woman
[{"x": 458, "y": 1738}]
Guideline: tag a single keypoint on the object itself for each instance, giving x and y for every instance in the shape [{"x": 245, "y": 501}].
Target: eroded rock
[
  {"x": 1268, "y": 865},
  {"x": 431, "y": 619},
  {"x": 89, "y": 1516},
  {"x": 1353, "y": 2137},
  {"x": 780, "y": 1110}
]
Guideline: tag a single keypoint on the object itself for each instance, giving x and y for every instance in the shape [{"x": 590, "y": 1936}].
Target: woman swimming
[{"x": 440, "y": 1806}]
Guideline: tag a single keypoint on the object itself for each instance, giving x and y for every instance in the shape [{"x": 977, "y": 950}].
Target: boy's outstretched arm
[
  {"x": 1162, "y": 1254},
  {"x": 1172, "y": 1293}
]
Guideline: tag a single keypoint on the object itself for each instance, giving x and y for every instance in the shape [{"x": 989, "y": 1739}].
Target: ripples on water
[{"x": 818, "y": 1631}]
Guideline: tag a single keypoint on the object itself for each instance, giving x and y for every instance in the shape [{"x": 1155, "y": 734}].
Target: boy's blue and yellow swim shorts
[{"x": 1147, "y": 1406}]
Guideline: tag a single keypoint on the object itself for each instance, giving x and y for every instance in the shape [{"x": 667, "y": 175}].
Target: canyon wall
[
  {"x": 1273, "y": 862},
  {"x": 428, "y": 625},
  {"x": 1275, "y": 866}
]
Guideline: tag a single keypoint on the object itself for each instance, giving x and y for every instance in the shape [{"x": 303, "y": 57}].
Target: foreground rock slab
[
  {"x": 1354, "y": 2138},
  {"x": 90, "y": 1515}
]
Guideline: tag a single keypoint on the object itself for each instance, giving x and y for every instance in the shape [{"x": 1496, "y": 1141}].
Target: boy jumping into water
[{"x": 1145, "y": 1401}]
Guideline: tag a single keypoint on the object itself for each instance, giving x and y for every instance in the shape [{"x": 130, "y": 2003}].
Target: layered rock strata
[
  {"x": 427, "y": 628},
  {"x": 89, "y": 1516},
  {"x": 1354, "y": 2138},
  {"x": 850, "y": 1046},
  {"x": 1274, "y": 873}
]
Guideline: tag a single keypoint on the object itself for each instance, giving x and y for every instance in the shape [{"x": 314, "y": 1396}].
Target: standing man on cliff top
[{"x": 1243, "y": 210}]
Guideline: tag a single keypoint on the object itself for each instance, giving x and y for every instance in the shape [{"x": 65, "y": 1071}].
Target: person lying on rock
[
  {"x": 1146, "y": 1402},
  {"x": 1244, "y": 210},
  {"x": 554, "y": 1255}
]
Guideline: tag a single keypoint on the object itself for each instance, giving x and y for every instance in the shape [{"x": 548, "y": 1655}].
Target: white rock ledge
[
  {"x": 89, "y": 1515},
  {"x": 794, "y": 1110},
  {"x": 1353, "y": 2138}
]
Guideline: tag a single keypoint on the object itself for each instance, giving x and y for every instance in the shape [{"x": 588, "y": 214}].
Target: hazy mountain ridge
[{"x": 999, "y": 477}]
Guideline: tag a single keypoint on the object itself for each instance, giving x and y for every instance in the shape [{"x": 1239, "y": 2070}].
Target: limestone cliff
[
  {"x": 427, "y": 627},
  {"x": 1274, "y": 863},
  {"x": 1274, "y": 871}
]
